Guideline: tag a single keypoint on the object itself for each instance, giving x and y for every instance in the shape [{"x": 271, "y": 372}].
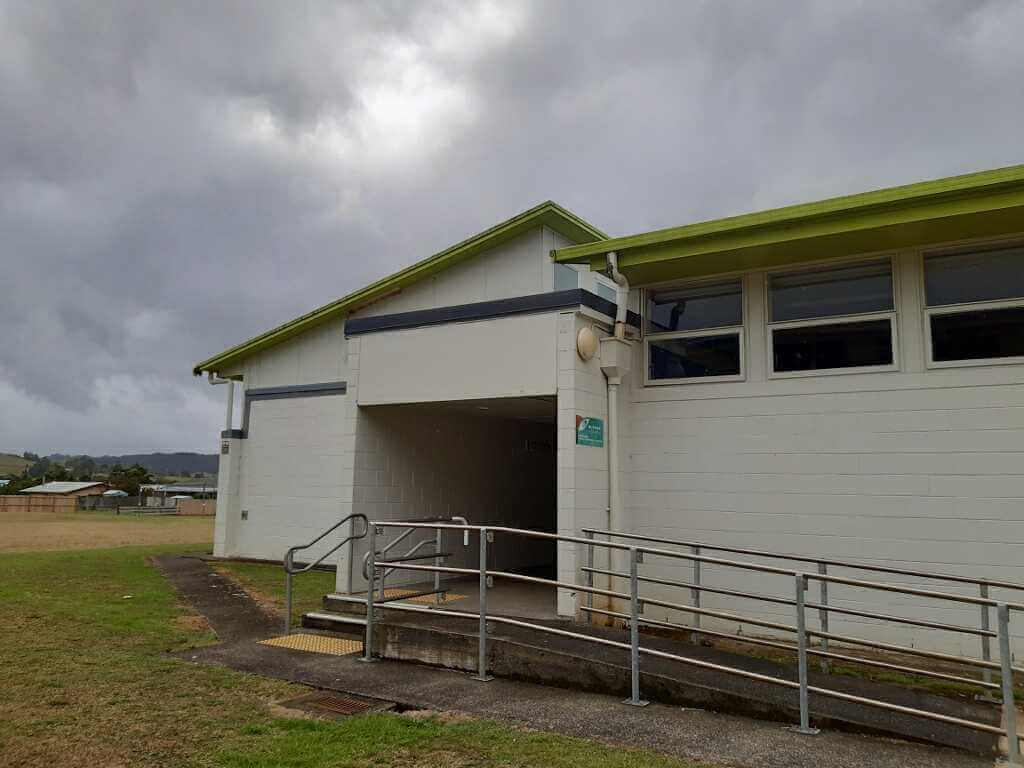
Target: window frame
[
  {"x": 964, "y": 307},
  {"x": 720, "y": 330},
  {"x": 892, "y": 315}
]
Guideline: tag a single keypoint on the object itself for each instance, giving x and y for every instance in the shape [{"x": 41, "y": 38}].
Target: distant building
[
  {"x": 159, "y": 494},
  {"x": 57, "y": 496},
  {"x": 66, "y": 489}
]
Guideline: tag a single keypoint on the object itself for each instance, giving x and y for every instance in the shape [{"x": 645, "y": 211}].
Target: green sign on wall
[{"x": 589, "y": 431}]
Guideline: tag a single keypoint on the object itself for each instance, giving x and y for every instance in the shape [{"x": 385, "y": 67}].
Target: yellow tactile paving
[{"x": 333, "y": 646}]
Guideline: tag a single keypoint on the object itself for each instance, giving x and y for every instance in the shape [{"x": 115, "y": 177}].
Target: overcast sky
[{"x": 177, "y": 177}]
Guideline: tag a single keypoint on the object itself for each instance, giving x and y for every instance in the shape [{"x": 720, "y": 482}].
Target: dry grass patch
[{"x": 60, "y": 531}]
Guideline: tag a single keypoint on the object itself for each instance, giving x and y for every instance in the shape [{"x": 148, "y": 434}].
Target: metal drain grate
[{"x": 341, "y": 705}]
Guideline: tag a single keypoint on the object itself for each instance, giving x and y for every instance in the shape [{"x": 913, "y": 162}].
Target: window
[
  {"x": 836, "y": 319},
  {"x": 695, "y": 333},
  {"x": 606, "y": 291},
  {"x": 975, "y": 306},
  {"x": 566, "y": 278}
]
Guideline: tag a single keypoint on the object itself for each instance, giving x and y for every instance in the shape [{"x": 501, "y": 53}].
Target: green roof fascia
[
  {"x": 989, "y": 203},
  {"x": 548, "y": 213}
]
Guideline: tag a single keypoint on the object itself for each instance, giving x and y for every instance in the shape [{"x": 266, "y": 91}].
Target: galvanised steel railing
[
  {"x": 636, "y": 602},
  {"x": 437, "y": 554},
  {"x": 984, "y": 631},
  {"x": 289, "y": 564}
]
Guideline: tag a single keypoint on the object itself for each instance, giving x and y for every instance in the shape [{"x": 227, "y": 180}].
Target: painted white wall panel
[
  {"x": 518, "y": 267},
  {"x": 506, "y": 357},
  {"x": 313, "y": 357}
]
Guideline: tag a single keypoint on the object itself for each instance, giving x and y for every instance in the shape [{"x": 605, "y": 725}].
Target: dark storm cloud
[{"x": 175, "y": 178}]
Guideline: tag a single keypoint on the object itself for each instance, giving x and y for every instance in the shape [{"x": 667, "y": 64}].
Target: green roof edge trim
[
  {"x": 919, "y": 193},
  {"x": 548, "y": 213}
]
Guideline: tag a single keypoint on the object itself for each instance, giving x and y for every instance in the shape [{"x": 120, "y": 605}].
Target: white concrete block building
[{"x": 838, "y": 380}]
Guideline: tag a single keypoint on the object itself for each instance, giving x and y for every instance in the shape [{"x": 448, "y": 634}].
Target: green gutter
[
  {"x": 973, "y": 205},
  {"x": 549, "y": 214}
]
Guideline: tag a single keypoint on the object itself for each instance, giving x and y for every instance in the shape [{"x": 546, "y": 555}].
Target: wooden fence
[{"x": 18, "y": 504}]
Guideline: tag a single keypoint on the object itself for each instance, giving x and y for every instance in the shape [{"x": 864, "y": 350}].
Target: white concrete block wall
[
  {"x": 293, "y": 471},
  {"x": 295, "y": 477},
  {"x": 922, "y": 469},
  {"x": 419, "y": 461},
  {"x": 582, "y": 470}
]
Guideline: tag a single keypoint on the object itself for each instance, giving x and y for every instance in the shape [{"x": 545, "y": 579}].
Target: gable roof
[
  {"x": 58, "y": 486},
  {"x": 984, "y": 204},
  {"x": 548, "y": 213}
]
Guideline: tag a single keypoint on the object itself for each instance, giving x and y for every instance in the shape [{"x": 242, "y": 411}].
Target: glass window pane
[
  {"x": 695, "y": 357},
  {"x": 606, "y": 292},
  {"x": 695, "y": 307},
  {"x": 989, "y": 333},
  {"x": 959, "y": 278},
  {"x": 566, "y": 278},
  {"x": 832, "y": 292},
  {"x": 842, "y": 345}
]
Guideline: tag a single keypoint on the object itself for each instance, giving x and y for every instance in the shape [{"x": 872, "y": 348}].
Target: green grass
[
  {"x": 10, "y": 464},
  {"x": 85, "y": 680},
  {"x": 403, "y": 742},
  {"x": 265, "y": 581}
]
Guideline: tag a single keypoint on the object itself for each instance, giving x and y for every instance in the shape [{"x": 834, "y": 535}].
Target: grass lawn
[{"x": 84, "y": 681}]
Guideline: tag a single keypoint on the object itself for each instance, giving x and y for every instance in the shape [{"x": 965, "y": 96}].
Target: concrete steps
[
  {"x": 520, "y": 653},
  {"x": 333, "y": 622}
]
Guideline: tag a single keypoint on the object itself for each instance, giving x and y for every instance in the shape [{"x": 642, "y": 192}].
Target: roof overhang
[
  {"x": 977, "y": 205},
  {"x": 548, "y": 214}
]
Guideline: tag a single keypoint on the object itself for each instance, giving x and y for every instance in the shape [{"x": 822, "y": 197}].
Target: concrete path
[
  {"x": 706, "y": 736},
  {"x": 232, "y": 613}
]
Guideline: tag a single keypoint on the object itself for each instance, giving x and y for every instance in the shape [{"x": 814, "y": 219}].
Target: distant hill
[
  {"x": 15, "y": 465},
  {"x": 157, "y": 463}
]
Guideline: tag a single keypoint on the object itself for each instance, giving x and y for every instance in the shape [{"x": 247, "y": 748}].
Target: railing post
[
  {"x": 383, "y": 572},
  {"x": 371, "y": 541},
  {"x": 437, "y": 564},
  {"x": 823, "y": 611},
  {"x": 634, "y": 631},
  {"x": 986, "y": 645},
  {"x": 481, "y": 664},
  {"x": 801, "y": 632},
  {"x": 1006, "y": 668},
  {"x": 287, "y": 595},
  {"x": 695, "y": 594},
  {"x": 588, "y": 576}
]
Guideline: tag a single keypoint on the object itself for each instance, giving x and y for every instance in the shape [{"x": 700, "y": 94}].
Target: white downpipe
[
  {"x": 613, "y": 375},
  {"x": 614, "y": 500},
  {"x": 215, "y": 379},
  {"x": 621, "y": 294},
  {"x": 231, "y": 405}
]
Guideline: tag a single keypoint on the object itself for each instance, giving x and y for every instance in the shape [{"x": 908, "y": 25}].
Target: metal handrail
[
  {"x": 785, "y": 601},
  {"x": 983, "y": 601},
  {"x": 439, "y": 556},
  {"x": 814, "y": 560},
  {"x": 289, "y": 556},
  {"x": 636, "y": 602}
]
